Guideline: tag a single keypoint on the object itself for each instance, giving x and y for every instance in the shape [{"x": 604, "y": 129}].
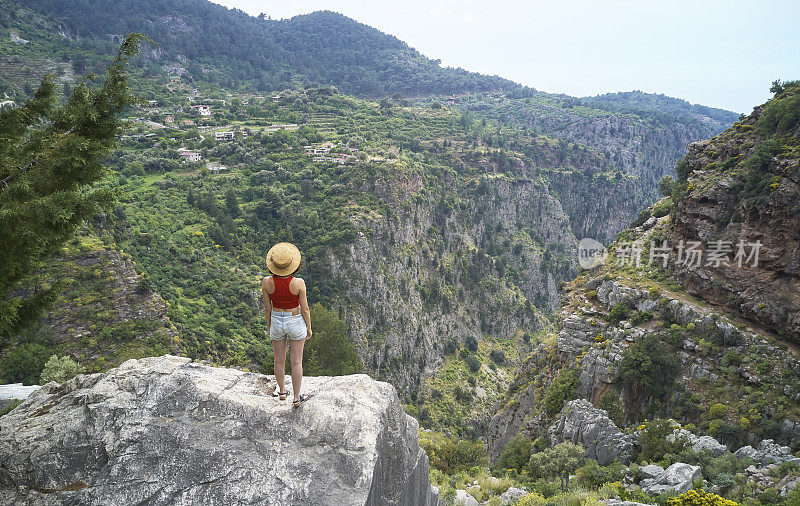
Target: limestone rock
[
  {"x": 463, "y": 498},
  {"x": 651, "y": 471},
  {"x": 164, "y": 430},
  {"x": 700, "y": 443},
  {"x": 512, "y": 494},
  {"x": 768, "y": 452},
  {"x": 676, "y": 478},
  {"x": 581, "y": 422}
]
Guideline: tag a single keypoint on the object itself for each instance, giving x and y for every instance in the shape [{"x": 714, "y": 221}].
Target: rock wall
[
  {"x": 439, "y": 271},
  {"x": 725, "y": 203},
  {"x": 168, "y": 431}
]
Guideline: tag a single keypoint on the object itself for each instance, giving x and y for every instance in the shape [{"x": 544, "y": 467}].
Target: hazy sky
[{"x": 717, "y": 53}]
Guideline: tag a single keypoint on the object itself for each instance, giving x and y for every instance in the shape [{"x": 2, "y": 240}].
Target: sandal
[
  {"x": 280, "y": 395},
  {"x": 303, "y": 398}
]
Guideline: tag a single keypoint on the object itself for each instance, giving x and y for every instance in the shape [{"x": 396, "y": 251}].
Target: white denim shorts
[{"x": 285, "y": 324}]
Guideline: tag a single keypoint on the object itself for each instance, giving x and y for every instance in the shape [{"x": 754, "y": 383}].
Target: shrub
[
  {"x": 593, "y": 475},
  {"x": 662, "y": 208},
  {"x": 24, "y": 364},
  {"x": 60, "y": 369},
  {"x": 498, "y": 356},
  {"x": 782, "y": 114},
  {"x": 474, "y": 363},
  {"x": 649, "y": 366},
  {"x": 472, "y": 344},
  {"x": 640, "y": 317},
  {"x": 700, "y": 498},
  {"x": 717, "y": 411},
  {"x": 515, "y": 454},
  {"x": 618, "y": 312},
  {"x": 561, "y": 390},
  {"x": 731, "y": 358},
  {"x": 666, "y": 184},
  {"x": 452, "y": 455},
  {"x": 532, "y": 499},
  {"x": 450, "y": 346},
  {"x": 654, "y": 444}
]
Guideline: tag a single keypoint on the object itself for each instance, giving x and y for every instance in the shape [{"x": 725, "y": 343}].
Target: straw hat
[{"x": 283, "y": 259}]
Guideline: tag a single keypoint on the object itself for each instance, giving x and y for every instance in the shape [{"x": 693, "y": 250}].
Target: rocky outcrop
[
  {"x": 464, "y": 498},
  {"x": 768, "y": 452},
  {"x": 699, "y": 443},
  {"x": 743, "y": 187},
  {"x": 676, "y": 478},
  {"x": 581, "y": 423},
  {"x": 168, "y": 431}
]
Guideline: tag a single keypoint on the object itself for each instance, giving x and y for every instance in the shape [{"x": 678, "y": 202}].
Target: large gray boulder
[
  {"x": 464, "y": 498},
  {"x": 676, "y": 478},
  {"x": 768, "y": 452},
  {"x": 165, "y": 430},
  {"x": 699, "y": 443},
  {"x": 512, "y": 494},
  {"x": 582, "y": 423}
]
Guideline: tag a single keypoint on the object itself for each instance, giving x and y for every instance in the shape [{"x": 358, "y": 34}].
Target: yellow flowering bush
[{"x": 700, "y": 498}]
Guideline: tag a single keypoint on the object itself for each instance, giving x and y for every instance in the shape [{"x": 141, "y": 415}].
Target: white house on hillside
[
  {"x": 204, "y": 110},
  {"x": 191, "y": 156},
  {"x": 224, "y": 136}
]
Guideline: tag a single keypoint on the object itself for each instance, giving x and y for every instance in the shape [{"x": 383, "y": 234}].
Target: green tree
[
  {"x": 60, "y": 369},
  {"x": 329, "y": 352},
  {"x": 515, "y": 454},
  {"x": 649, "y": 366},
  {"x": 653, "y": 442},
  {"x": 51, "y": 156},
  {"x": 453, "y": 455},
  {"x": 666, "y": 184},
  {"x": 24, "y": 364},
  {"x": 557, "y": 462},
  {"x": 561, "y": 390}
]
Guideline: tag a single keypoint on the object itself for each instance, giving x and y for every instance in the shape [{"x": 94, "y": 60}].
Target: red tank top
[{"x": 282, "y": 297}]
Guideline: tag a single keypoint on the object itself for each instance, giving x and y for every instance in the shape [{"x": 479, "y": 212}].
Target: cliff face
[
  {"x": 673, "y": 336},
  {"x": 168, "y": 431},
  {"x": 429, "y": 273},
  {"x": 744, "y": 186}
]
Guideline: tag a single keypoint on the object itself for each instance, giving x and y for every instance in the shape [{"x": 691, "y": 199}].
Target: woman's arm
[
  {"x": 267, "y": 302},
  {"x": 304, "y": 310}
]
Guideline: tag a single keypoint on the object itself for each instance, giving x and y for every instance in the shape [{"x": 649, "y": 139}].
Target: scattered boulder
[
  {"x": 676, "y": 478},
  {"x": 651, "y": 471},
  {"x": 512, "y": 494},
  {"x": 700, "y": 443},
  {"x": 165, "y": 430},
  {"x": 787, "y": 484},
  {"x": 582, "y": 423},
  {"x": 463, "y": 498},
  {"x": 768, "y": 452}
]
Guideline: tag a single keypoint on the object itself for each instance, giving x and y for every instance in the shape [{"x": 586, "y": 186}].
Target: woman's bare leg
[
  {"x": 279, "y": 351},
  {"x": 296, "y": 357}
]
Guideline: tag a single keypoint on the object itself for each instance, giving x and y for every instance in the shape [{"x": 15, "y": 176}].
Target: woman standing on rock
[{"x": 287, "y": 315}]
